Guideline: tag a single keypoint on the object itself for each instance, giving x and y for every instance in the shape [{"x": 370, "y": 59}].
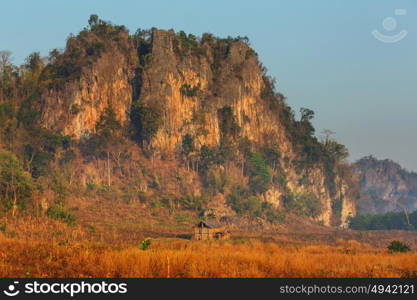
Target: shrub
[
  {"x": 187, "y": 41},
  {"x": 304, "y": 204},
  {"x": 253, "y": 206},
  {"x": 189, "y": 91},
  {"x": 184, "y": 43},
  {"x": 207, "y": 157},
  {"x": 272, "y": 215},
  {"x": 145, "y": 244},
  {"x": 60, "y": 186},
  {"x": 241, "y": 203},
  {"x": 226, "y": 151},
  {"x": 397, "y": 246},
  {"x": 216, "y": 180},
  {"x": 337, "y": 206},
  {"x": 91, "y": 228},
  {"x": 228, "y": 124},
  {"x": 75, "y": 109},
  {"x": 108, "y": 123},
  {"x": 192, "y": 202},
  {"x": 58, "y": 212},
  {"x": 187, "y": 144},
  {"x": 271, "y": 155},
  {"x": 249, "y": 53},
  {"x": 67, "y": 157},
  {"x": 27, "y": 114}
]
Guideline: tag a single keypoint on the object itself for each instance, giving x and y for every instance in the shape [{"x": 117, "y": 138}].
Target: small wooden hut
[{"x": 210, "y": 230}]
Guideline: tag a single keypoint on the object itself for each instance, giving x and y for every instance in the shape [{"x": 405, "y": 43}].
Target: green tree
[
  {"x": 336, "y": 151},
  {"x": 306, "y": 114},
  {"x": 93, "y": 20},
  {"x": 228, "y": 125},
  {"x": 5, "y": 59},
  {"x": 53, "y": 55},
  {"x": 32, "y": 71},
  {"x": 187, "y": 147},
  {"x": 259, "y": 175},
  {"x": 387, "y": 221},
  {"x": 146, "y": 119},
  {"x": 107, "y": 139},
  {"x": 16, "y": 186},
  {"x": 40, "y": 148},
  {"x": 108, "y": 125},
  {"x": 304, "y": 204},
  {"x": 207, "y": 158},
  {"x": 34, "y": 62},
  {"x": 306, "y": 128},
  {"x": 6, "y": 69},
  {"x": 58, "y": 212},
  {"x": 397, "y": 246},
  {"x": 187, "y": 144}
]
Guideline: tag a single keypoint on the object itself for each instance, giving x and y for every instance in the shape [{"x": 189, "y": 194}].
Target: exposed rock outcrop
[
  {"x": 75, "y": 108},
  {"x": 199, "y": 89}
]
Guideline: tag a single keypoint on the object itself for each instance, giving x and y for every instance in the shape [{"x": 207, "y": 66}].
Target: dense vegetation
[{"x": 388, "y": 221}]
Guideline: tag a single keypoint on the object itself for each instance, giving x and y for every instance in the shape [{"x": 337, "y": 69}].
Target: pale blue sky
[{"x": 321, "y": 52}]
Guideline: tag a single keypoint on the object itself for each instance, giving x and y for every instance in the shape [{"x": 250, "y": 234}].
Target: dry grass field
[
  {"x": 45, "y": 248},
  {"x": 106, "y": 239}
]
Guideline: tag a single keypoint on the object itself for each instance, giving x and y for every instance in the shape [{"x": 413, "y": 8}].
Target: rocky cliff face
[
  {"x": 212, "y": 90},
  {"x": 387, "y": 186},
  {"x": 236, "y": 83},
  {"x": 74, "y": 108}
]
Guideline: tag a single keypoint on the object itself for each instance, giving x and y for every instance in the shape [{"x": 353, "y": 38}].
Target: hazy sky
[{"x": 322, "y": 53}]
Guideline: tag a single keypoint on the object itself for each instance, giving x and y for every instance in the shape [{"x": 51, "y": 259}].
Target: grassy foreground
[{"x": 182, "y": 258}]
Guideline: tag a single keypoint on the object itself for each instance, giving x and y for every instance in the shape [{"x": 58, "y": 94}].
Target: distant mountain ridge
[{"x": 386, "y": 186}]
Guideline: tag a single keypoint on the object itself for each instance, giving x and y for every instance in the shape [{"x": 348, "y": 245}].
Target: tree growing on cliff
[
  {"x": 333, "y": 149},
  {"x": 227, "y": 121},
  {"x": 146, "y": 120},
  {"x": 39, "y": 149},
  {"x": 259, "y": 175},
  {"x": 93, "y": 20},
  {"x": 6, "y": 74},
  {"x": 187, "y": 148},
  {"x": 107, "y": 140},
  {"x": 31, "y": 72}
]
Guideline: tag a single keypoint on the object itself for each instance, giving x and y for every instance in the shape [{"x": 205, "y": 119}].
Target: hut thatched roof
[{"x": 209, "y": 224}]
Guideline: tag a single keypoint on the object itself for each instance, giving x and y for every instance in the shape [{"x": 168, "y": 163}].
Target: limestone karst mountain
[
  {"x": 387, "y": 187},
  {"x": 203, "y": 110}
]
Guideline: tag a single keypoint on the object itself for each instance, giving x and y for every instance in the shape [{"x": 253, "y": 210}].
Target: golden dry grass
[
  {"x": 41, "y": 247},
  {"x": 181, "y": 258}
]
